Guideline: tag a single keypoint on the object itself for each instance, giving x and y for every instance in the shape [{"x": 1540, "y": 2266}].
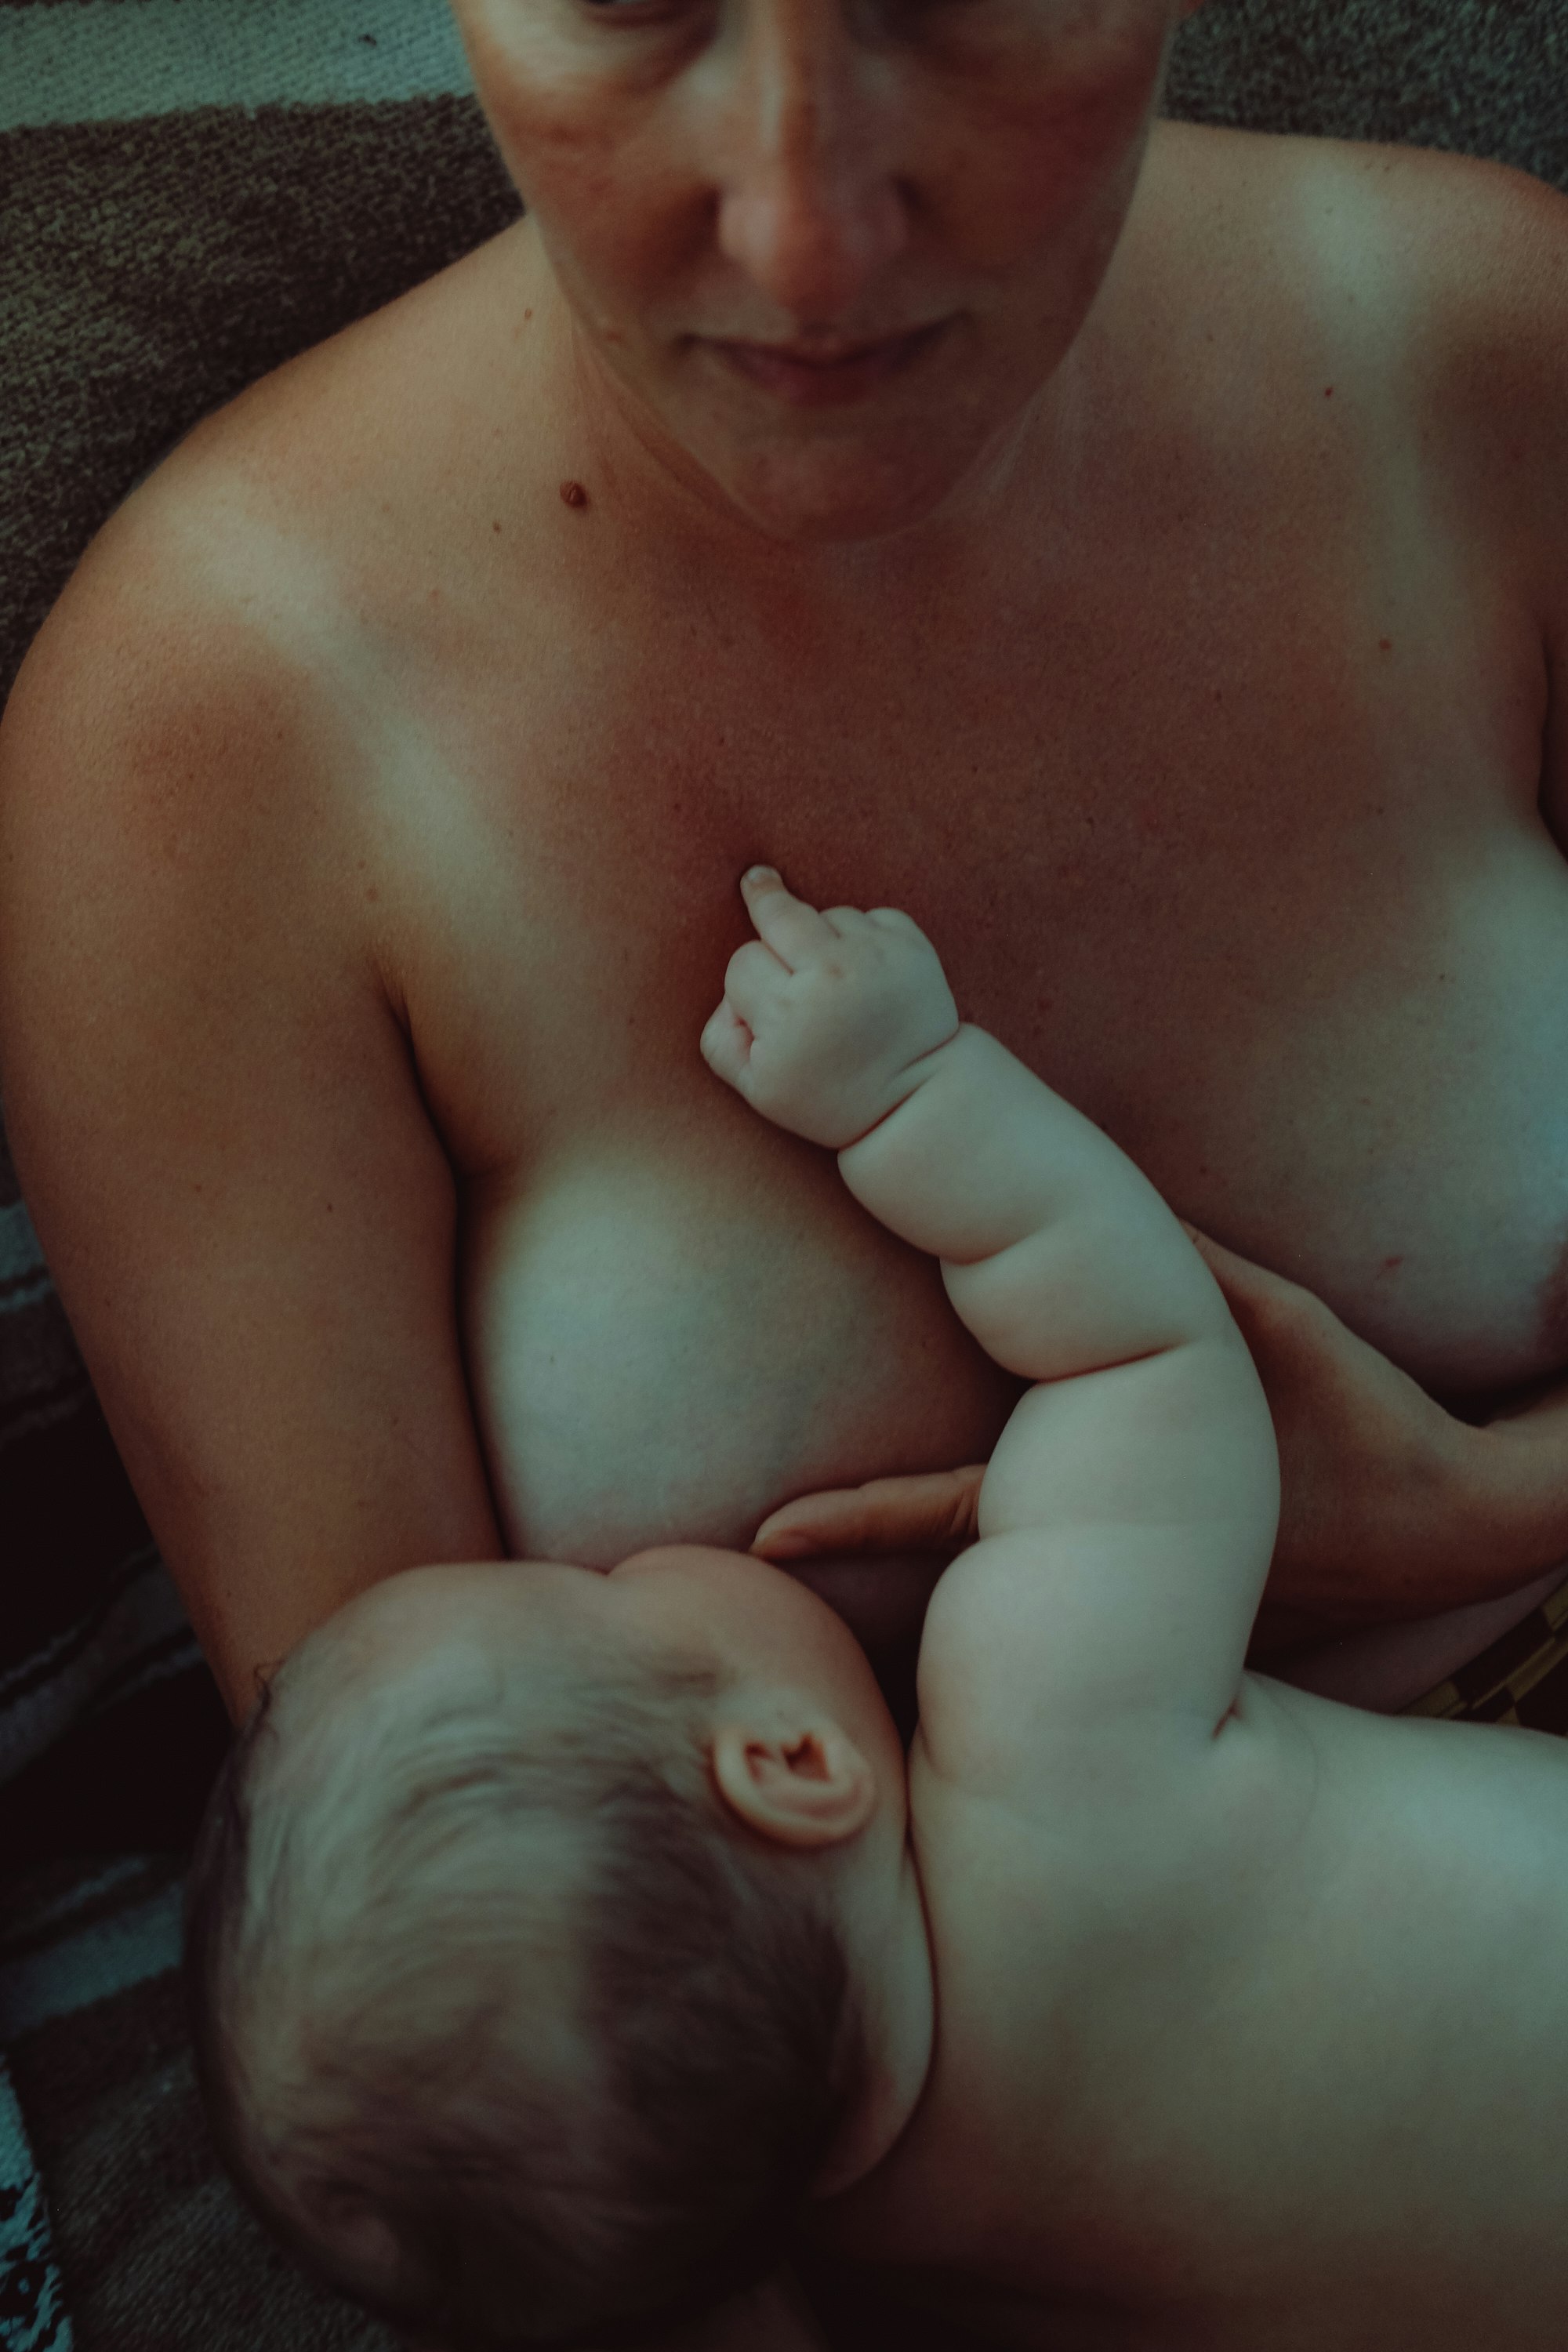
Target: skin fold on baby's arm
[{"x": 1127, "y": 1516}]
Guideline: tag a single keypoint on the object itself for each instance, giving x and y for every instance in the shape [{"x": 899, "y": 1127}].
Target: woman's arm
[
  {"x": 1393, "y": 1508},
  {"x": 1390, "y": 1509},
  {"x": 217, "y": 1118}
]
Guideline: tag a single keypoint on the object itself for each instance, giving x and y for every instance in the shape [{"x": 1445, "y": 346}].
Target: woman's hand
[
  {"x": 1391, "y": 1506},
  {"x": 1386, "y": 1509},
  {"x": 933, "y": 1512}
]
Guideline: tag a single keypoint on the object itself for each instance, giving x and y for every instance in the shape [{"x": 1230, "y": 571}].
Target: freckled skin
[
  {"x": 1211, "y": 2066},
  {"x": 1019, "y": 133},
  {"x": 1070, "y": 640},
  {"x": 1064, "y": 638}
]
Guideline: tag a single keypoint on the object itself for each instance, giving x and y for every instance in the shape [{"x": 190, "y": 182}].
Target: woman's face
[{"x": 825, "y": 253}]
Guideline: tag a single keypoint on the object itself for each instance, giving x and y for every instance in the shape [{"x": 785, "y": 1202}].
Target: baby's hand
[{"x": 825, "y": 1015}]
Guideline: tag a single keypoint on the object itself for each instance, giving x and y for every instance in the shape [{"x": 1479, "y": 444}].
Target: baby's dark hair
[{"x": 374, "y": 1897}]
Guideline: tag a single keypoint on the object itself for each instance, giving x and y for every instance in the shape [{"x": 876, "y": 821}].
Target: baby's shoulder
[
  {"x": 1166, "y": 1811},
  {"x": 1124, "y": 1874}
]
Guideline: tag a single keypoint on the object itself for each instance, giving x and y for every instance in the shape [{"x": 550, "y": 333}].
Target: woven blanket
[{"x": 191, "y": 191}]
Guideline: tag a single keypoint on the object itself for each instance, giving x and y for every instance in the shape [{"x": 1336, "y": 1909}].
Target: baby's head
[{"x": 536, "y": 1940}]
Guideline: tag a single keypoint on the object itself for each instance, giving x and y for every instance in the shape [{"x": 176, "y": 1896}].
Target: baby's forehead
[
  {"x": 549, "y": 1687},
  {"x": 488, "y": 1625}
]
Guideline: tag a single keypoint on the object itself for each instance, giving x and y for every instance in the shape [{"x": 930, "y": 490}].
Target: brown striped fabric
[
  {"x": 1522, "y": 1678},
  {"x": 191, "y": 192}
]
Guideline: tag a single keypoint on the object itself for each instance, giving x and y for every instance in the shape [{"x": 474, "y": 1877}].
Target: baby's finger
[
  {"x": 726, "y": 1044},
  {"x": 754, "y": 980},
  {"x": 792, "y": 929},
  {"x": 846, "y": 923},
  {"x": 893, "y": 919}
]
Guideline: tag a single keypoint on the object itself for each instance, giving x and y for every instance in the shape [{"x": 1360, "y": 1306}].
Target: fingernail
[
  {"x": 761, "y": 873},
  {"x": 783, "y": 1546}
]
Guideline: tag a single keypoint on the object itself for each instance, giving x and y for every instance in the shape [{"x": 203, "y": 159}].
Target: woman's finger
[
  {"x": 933, "y": 1511},
  {"x": 1232, "y": 1273}
]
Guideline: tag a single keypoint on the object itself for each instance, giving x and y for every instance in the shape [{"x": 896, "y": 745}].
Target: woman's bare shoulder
[
  {"x": 248, "y": 567},
  {"x": 1419, "y": 223},
  {"x": 1433, "y": 287},
  {"x": 309, "y": 455}
]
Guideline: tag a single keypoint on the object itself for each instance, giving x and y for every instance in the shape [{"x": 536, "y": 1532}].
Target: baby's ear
[{"x": 800, "y": 1781}]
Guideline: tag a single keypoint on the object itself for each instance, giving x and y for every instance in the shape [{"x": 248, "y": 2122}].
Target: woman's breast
[
  {"x": 1422, "y": 1187},
  {"x": 1370, "y": 1098},
  {"x": 672, "y": 1332},
  {"x": 676, "y": 1317},
  {"x": 1314, "y": 979}
]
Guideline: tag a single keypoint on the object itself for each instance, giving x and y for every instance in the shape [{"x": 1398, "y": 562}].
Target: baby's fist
[{"x": 826, "y": 1016}]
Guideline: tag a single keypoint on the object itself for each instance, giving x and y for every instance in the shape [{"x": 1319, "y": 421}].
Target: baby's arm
[{"x": 1128, "y": 1513}]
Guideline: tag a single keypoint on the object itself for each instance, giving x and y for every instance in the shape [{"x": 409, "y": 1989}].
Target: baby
[{"x": 561, "y": 1942}]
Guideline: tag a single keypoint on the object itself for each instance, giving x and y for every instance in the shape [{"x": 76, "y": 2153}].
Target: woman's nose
[{"x": 810, "y": 207}]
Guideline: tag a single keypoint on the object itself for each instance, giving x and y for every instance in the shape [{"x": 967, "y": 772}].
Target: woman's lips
[{"x": 807, "y": 381}]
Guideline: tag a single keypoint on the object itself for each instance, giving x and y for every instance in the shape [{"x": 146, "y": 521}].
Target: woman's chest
[{"x": 1266, "y": 898}]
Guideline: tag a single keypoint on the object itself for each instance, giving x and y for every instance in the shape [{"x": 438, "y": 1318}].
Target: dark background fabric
[{"x": 149, "y": 270}]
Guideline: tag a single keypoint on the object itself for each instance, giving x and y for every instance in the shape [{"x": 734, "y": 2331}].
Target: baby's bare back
[{"x": 1257, "y": 2054}]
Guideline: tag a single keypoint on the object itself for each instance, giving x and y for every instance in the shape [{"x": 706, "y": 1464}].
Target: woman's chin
[
  {"x": 805, "y": 473},
  {"x": 816, "y": 497}
]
